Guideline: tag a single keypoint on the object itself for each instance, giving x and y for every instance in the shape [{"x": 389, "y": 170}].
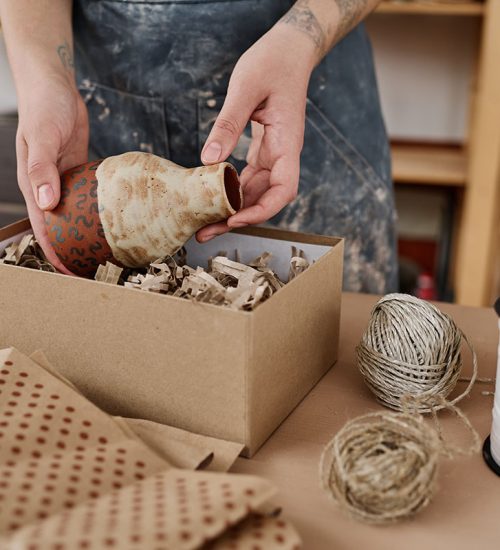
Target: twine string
[
  {"x": 381, "y": 467},
  {"x": 440, "y": 403},
  {"x": 411, "y": 347}
]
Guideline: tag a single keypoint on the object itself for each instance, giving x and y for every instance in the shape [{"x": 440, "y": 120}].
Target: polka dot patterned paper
[
  {"x": 259, "y": 533},
  {"x": 174, "y": 509},
  {"x": 56, "y": 448},
  {"x": 71, "y": 478}
]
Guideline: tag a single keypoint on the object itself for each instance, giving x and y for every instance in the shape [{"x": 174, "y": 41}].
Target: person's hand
[
  {"x": 52, "y": 137},
  {"x": 269, "y": 87}
]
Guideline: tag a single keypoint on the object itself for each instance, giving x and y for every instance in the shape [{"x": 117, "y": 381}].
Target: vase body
[
  {"x": 135, "y": 208},
  {"x": 74, "y": 227}
]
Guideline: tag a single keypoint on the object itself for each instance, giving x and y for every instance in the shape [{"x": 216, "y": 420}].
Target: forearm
[
  {"x": 326, "y": 22},
  {"x": 39, "y": 40}
]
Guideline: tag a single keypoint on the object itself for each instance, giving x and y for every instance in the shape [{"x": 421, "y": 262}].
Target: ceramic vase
[{"x": 134, "y": 208}]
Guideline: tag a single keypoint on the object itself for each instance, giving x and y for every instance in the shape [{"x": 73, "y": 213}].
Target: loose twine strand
[{"x": 381, "y": 467}]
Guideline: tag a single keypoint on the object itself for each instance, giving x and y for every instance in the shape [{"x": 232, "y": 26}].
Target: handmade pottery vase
[{"x": 134, "y": 208}]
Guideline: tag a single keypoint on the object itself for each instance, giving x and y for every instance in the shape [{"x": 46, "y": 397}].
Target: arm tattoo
[
  {"x": 65, "y": 55},
  {"x": 350, "y": 14},
  {"x": 302, "y": 17}
]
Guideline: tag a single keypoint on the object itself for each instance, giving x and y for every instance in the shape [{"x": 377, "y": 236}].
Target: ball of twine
[
  {"x": 381, "y": 467},
  {"x": 411, "y": 348}
]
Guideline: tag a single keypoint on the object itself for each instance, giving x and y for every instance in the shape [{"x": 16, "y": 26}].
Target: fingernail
[
  {"x": 212, "y": 152},
  {"x": 45, "y": 195},
  {"x": 210, "y": 236}
]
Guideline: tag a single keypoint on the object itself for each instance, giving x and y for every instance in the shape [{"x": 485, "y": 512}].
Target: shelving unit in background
[
  {"x": 431, "y": 8},
  {"x": 429, "y": 164},
  {"x": 473, "y": 170}
]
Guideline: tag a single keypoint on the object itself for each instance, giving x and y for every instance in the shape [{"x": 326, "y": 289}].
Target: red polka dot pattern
[
  {"x": 258, "y": 532},
  {"x": 74, "y": 479},
  {"x": 172, "y": 509},
  {"x": 42, "y": 460}
]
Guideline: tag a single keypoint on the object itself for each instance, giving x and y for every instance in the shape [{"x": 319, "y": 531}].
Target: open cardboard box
[{"x": 229, "y": 374}]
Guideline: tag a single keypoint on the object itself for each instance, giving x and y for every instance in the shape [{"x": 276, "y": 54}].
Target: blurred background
[{"x": 438, "y": 70}]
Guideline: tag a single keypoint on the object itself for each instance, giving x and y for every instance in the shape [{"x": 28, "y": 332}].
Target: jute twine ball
[
  {"x": 381, "y": 467},
  {"x": 411, "y": 348}
]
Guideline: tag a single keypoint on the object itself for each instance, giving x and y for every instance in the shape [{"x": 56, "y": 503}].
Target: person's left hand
[{"x": 269, "y": 87}]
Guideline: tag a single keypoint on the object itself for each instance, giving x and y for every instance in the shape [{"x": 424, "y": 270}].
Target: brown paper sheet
[
  {"x": 184, "y": 449},
  {"x": 71, "y": 476},
  {"x": 179, "y": 448},
  {"x": 41, "y": 360},
  {"x": 175, "y": 509},
  {"x": 51, "y": 433},
  {"x": 259, "y": 532}
]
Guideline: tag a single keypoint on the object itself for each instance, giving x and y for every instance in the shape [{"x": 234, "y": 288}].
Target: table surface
[{"x": 466, "y": 507}]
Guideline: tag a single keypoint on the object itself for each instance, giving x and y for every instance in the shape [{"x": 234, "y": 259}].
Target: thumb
[
  {"x": 43, "y": 174},
  {"x": 229, "y": 125}
]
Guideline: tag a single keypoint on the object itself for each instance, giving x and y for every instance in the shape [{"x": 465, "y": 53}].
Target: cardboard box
[{"x": 208, "y": 369}]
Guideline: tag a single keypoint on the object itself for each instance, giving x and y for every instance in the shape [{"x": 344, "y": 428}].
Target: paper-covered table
[{"x": 465, "y": 511}]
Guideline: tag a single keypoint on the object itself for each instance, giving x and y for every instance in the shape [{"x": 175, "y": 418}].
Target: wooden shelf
[
  {"x": 431, "y": 8},
  {"x": 429, "y": 165}
]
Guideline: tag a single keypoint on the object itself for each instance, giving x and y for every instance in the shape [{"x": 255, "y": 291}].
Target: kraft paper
[{"x": 71, "y": 476}]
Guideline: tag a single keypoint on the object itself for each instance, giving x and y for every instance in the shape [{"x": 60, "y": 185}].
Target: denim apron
[{"x": 154, "y": 74}]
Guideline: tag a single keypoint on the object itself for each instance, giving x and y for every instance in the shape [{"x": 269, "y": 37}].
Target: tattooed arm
[
  {"x": 52, "y": 132},
  {"x": 269, "y": 87},
  {"x": 326, "y": 22},
  {"x": 38, "y": 36}
]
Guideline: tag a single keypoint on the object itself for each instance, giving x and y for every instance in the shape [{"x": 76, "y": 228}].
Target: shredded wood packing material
[{"x": 225, "y": 282}]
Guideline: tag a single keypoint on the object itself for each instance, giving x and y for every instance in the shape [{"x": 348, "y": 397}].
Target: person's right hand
[{"x": 52, "y": 136}]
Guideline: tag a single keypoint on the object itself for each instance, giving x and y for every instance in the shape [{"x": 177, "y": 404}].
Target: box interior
[{"x": 246, "y": 246}]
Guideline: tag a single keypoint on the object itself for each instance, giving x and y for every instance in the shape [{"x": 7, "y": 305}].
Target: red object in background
[
  {"x": 423, "y": 255},
  {"x": 422, "y": 252},
  {"x": 426, "y": 288}
]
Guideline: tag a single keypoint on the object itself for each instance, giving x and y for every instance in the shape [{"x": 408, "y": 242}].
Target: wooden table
[{"x": 465, "y": 512}]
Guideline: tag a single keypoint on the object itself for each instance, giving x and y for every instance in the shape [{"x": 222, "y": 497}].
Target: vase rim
[{"x": 232, "y": 188}]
